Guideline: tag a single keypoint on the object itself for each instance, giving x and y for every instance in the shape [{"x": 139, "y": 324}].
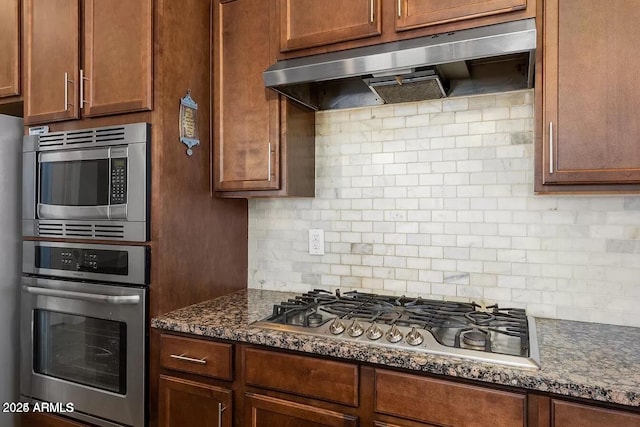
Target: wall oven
[
  {"x": 83, "y": 330},
  {"x": 89, "y": 183}
]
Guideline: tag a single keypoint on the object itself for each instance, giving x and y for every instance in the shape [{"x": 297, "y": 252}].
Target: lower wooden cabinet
[
  {"x": 246, "y": 385},
  {"x": 569, "y": 414},
  {"x": 185, "y": 403},
  {"x": 265, "y": 411},
  {"x": 443, "y": 402}
]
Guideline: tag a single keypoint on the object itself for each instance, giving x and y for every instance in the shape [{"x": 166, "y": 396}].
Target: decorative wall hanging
[{"x": 188, "y": 122}]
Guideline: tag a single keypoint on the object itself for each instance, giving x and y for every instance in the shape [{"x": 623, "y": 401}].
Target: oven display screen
[
  {"x": 75, "y": 183},
  {"x": 80, "y": 349},
  {"x": 89, "y": 260}
]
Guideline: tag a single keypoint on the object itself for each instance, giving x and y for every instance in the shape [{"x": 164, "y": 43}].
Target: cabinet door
[
  {"x": 591, "y": 119},
  {"x": 265, "y": 411},
  {"x": 9, "y": 47},
  {"x": 308, "y": 23},
  {"x": 117, "y": 56},
  {"x": 247, "y": 120},
  {"x": 421, "y": 13},
  {"x": 565, "y": 414},
  {"x": 443, "y": 402},
  {"x": 51, "y": 35},
  {"x": 187, "y": 403}
]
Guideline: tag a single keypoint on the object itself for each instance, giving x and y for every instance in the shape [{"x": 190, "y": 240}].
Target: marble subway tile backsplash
[{"x": 435, "y": 198}]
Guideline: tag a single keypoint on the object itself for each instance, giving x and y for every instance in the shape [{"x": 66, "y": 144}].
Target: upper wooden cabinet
[
  {"x": 308, "y": 23},
  {"x": 421, "y": 13},
  {"x": 117, "y": 56},
  {"x": 309, "y": 27},
  {"x": 262, "y": 143},
  {"x": 590, "y": 114},
  {"x": 9, "y": 48},
  {"x": 115, "y": 73}
]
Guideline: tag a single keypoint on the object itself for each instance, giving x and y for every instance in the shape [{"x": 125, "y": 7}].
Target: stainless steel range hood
[{"x": 487, "y": 59}]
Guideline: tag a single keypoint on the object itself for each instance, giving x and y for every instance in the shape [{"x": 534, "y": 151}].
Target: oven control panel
[{"x": 82, "y": 259}]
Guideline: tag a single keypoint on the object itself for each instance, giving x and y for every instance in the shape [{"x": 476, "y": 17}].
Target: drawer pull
[
  {"x": 550, "y": 147},
  {"x": 188, "y": 359},
  {"x": 221, "y": 409}
]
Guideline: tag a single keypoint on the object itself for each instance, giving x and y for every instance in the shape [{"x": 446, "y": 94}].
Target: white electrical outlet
[{"x": 316, "y": 241}]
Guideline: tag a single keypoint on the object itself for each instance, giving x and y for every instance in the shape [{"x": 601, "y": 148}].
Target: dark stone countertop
[{"x": 586, "y": 360}]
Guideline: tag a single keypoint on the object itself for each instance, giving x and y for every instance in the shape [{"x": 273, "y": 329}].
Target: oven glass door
[
  {"x": 81, "y": 349},
  {"x": 85, "y": 343}
]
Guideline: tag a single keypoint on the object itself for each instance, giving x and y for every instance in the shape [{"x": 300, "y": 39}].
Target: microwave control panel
[{"x": 118, "y": 194}]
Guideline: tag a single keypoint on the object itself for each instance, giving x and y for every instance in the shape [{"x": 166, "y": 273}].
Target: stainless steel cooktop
[{"x": 491, "y": 334}]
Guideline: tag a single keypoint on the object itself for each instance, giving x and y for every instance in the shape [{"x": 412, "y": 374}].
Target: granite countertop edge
[{"x": 566, "y": 369}]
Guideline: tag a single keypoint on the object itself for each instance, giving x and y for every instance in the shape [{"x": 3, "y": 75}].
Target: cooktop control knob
[
  {"x": 374, "y": 332},
  {"x": 355, "y": 329},
  {"x": 393, "y": 334},
  {"x": 337, "y": 326},
  {"x": 414, "y": 337}
]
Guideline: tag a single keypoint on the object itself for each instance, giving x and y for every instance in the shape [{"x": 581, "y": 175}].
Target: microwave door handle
[{"x": 83, "y": 296}]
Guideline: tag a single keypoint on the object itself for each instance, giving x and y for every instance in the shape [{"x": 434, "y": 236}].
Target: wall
[{"x": 436, "y": 199}]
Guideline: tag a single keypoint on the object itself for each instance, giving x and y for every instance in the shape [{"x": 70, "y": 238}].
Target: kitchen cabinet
[
  {"x": 413, "y": 14},
  {"x": 269, "y": 387},
  {"x": 307, "y": 28},
  {"x": 588, "y": 111},
  {"x": 263, "y": 144},
  {"x": 187, "y": 402},
  {"x": 442, "y": 402},
  {"x": 332, "y": 381},
  {"x": 9, "y": 48},
  {"x": 568, "y": 414},
  {"x": 113, "y": 74},
  {"x": 265, "y": 411},
  {"x": 307, "y": 23},
  {"x": 190, "y": 403}
]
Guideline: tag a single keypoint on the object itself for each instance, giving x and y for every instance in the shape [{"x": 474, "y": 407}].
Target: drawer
[
  {"x": 446, "y": 403},
  {"x": 301, "y": 375},
  {"x": 196, "y": 356}
]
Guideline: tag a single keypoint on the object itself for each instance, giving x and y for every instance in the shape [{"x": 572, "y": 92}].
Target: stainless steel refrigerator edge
[{"x": 10, "y": 260}]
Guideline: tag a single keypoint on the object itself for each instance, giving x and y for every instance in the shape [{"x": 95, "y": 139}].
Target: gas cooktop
[{"x": 491, "y": 334}]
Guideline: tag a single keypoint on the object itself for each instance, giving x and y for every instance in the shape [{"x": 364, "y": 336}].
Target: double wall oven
[
  {"x": 83, "y": 330},
  {"x": 83, "y": 317}
]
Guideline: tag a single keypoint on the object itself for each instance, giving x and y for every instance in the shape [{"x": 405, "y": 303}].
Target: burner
[
  {"x": 314, "y": 319},
  {"x": 480, "y": 317},
  {"x": 475, "y": 338}
]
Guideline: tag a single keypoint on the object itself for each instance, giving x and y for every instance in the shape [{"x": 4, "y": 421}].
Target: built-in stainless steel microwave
[{"x": 88, "y": 184}]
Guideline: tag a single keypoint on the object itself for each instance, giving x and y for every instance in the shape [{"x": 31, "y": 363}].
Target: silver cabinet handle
[
  {"x": 66, "y": 91},
  {"x": 269, "y": 163},
  {"x": 550, "y": 147},
  {"x": 83, "y": 296},
  {"x": 82, "y": 79},
  {"x": 221, "y": 409},
  {"x": 188, "y": 359},
  {"x": 399, "y": 8},
  {"x": 372, "y": 4}
]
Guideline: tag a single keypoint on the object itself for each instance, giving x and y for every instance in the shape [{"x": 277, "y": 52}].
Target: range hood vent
[{"x": 487, "y": 59}]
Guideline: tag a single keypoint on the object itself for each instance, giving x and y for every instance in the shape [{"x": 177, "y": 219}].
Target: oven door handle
[{"x": 83, "y": 296}]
